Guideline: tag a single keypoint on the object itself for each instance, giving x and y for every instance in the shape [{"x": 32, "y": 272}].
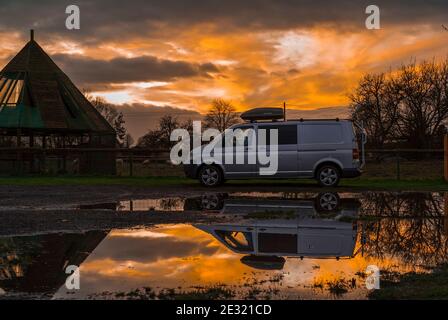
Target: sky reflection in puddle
[{"x": 292, "y": 247}]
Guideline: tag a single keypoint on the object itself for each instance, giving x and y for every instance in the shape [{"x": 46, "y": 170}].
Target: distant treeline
[{"x": 220, "y": 115}]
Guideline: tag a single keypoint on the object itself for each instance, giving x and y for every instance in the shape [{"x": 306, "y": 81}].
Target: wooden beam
[{"x": 445, "y": 158}]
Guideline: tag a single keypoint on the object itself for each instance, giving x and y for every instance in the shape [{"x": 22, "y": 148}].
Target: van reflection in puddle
[{"x": 321, "y": 227}]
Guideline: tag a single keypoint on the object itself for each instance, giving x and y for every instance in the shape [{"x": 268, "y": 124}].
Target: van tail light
[{"x": 355, "y": 154}]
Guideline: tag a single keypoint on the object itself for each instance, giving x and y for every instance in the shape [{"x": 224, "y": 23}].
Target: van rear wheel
[
  {"x": 327, "y": 202},
  {"x": 328, "y": 176},
  {"x": 210, "y": 176}
]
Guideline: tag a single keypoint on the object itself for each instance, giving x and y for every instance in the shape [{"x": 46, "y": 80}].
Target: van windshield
[{"x": 237, "y": 240}]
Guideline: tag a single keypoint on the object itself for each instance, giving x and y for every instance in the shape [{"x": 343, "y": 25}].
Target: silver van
[
  {"x": 322, "y": 149},
  {"x": 314, "y": 228},
  {"x": 305, "y": 238}
]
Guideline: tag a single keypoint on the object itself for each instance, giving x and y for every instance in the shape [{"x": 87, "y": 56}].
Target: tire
[
  {"x": 328, "y": 176},
  {"x": 327, "y": 202},
  {"x": 210, "y": 176},
  {"x": 212, "y": 201}
]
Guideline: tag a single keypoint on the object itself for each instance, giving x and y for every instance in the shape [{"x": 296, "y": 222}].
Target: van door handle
[
  {"x": 262, "y": 229},
  {"x": 249, "y": 229}
]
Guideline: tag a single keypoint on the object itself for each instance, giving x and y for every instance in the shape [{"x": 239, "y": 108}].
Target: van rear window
[{"x": 321, "y": 133}]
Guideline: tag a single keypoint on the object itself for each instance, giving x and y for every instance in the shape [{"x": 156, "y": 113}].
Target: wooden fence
[{"x": 64, "y": 160}]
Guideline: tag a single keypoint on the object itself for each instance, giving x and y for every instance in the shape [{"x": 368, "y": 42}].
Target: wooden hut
[{"x": 41, "y": 109}]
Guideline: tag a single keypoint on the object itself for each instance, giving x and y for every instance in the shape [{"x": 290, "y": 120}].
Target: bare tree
[
  {"x": 221, "y": 115},
  {"x": 111, "y": 114},
  {"x": 128, "y": 140},
  {"x": 408, "y": 226},
  {"x": 160, "y": 137},
  {"x": 409, "y": 104},
  {"x": 375, "y": 105},
  {"x": 424, "y": 102}
]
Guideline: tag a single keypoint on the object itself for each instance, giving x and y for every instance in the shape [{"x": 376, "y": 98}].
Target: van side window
[
  {"x": 321, "y": 133},
  {"x": 245, "y": 133},
  {"x": 277, "y": 243},
  {"x": 287, "y": 134}
]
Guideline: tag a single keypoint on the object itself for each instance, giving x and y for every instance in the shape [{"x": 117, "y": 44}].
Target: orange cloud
[{"x": 307, "y": 66}]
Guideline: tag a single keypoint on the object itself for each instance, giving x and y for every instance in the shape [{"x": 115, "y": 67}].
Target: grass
[
  {"x": 94, "y": 181},
  {"x": 208, "y": 293},
  {"x": 437, "y": 184},
  {"x": 211, "y": 293},
  {"x": 336, "y": 287},
  {"x": 358, "y": 184},
  {"x": 422, "y": 175},
  {"x": 413, "y": 285}
]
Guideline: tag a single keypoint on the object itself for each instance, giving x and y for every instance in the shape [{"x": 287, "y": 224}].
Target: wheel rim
[
  {"x": 328, "y": 201},
  {"x": 210, "y": 176},
  {"x": 210, "y": 202},
  {"x": 328, "y": 176}
]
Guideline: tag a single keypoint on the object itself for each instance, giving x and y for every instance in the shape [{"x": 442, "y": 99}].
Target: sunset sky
[
  {"x": 144, "y": 54},
  {"x": 181, "y": 255}
]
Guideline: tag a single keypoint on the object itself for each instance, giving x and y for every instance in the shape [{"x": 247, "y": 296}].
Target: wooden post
[
  {"x": 64, "y": 156},
  {"x": 131, "y": 164},
  {"x": 445, "y": 153},
  {"x": 19, "y": 152},
  {"x": 43, "y": 168},
  {"x": 445, "y": 218},
  {"x": 32, "y": 154}
]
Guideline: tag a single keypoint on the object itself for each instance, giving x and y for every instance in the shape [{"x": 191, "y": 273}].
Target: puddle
[{"x": 282, "y": 246}]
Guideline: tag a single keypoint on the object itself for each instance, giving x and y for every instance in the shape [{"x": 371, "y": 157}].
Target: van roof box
[{"x": 262, "y": 114}]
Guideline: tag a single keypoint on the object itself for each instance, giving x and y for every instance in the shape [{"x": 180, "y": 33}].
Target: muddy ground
[
  {"x": 41, "y": 196},
  {"x": 47, "y": 209},
  {"x": 27, "y": 222},
  {"x": 28, "y": 210}
]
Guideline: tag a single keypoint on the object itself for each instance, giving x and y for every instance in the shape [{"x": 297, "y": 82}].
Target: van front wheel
[
  {"x": 328, "y": 176},
  {"x": 210, "y": 176}
]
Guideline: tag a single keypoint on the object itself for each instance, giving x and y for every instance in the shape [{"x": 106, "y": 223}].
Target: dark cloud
[
  {"x": 86, "y": 71},
  {"x": 105, "y": 19}
]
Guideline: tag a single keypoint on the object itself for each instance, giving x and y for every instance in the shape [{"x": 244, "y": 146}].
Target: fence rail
[{"x": 392, "y": 163}]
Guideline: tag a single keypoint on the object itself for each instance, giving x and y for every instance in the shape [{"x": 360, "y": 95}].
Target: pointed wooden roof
[{"x": 48, "y": 99}]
